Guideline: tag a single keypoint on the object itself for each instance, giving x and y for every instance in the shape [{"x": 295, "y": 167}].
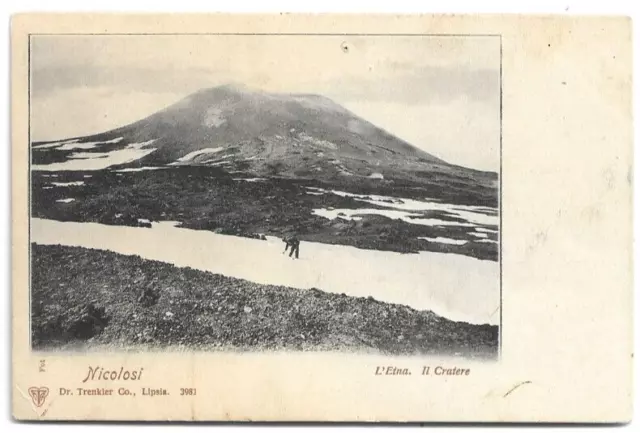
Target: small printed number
[{"x": 187, "y": 391}]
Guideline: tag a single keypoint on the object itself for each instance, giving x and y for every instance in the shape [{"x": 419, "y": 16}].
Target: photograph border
[{"x": 444, "y": 35}]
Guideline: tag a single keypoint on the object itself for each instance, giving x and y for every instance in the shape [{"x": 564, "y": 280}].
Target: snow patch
[
  {"x": 479, "y": 235},
  {"x": 55, "y": 144},
  {"x": 72, "y": 146},
  {"x": 114, "y": 140},
  {"x": 88, "y": 155},
  {"x": 66, "y": 200},
  {"x": 444, "y": 240},
  {"x": 98, "y": 161},
  {"x": 427, "y": 277},
  {"x": 406, "y": 204},
  {"x": 192, "y": 155},
  {"x": 129, "y": 170},
  {"x": 77, "y": 183},
  {"x": 491, "y": 241},
  {"x": 482, "y": 229},
  {"x": 88, "y": 144},
  {"x": 249, "y": 179},
  {"x": 408, "y": 217},
  {"x": 214, "y": 164}
]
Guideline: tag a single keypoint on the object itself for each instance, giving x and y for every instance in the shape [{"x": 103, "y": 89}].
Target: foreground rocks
[{"x": 91, "y": 297}]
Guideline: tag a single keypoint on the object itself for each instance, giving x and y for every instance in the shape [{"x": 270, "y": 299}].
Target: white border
[{"x": 9, "y": 7}]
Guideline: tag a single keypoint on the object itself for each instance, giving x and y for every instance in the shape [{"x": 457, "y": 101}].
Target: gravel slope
[{"x": 84, "y": 298}]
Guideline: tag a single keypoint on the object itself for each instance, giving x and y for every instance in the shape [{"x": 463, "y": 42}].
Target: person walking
[{"x": 293, "y": 243}]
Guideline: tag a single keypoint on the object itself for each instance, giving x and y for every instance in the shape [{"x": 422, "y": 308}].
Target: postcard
[{"x": 355, "y": 218}]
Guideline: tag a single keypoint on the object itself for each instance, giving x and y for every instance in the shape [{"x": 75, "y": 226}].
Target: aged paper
[{"x": 321, "y": 218}]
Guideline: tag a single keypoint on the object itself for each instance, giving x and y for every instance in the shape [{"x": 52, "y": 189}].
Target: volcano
[
  {"x": 244, "y": 162},
  {"x": 240, "y": 129}
]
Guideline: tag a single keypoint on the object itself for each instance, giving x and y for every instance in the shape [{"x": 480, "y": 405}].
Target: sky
[{"x": 441, "y": 94}]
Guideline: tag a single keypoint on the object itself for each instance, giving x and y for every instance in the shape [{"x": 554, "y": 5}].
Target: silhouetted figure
[{"x": 293, "y": 243}]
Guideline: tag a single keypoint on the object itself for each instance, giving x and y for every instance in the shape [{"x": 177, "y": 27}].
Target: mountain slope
[{"x": 238, "y": 129}]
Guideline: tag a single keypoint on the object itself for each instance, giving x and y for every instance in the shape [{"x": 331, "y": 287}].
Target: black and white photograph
[{"x": 265, "y": 192}]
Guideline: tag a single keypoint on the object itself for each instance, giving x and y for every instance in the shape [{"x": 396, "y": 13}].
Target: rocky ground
[
  {"x": 209, "y": 198},
  {"x": 83, "y": 298}
]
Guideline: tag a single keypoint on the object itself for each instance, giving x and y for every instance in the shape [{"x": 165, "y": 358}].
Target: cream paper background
[{"x": 566, "y": 250}]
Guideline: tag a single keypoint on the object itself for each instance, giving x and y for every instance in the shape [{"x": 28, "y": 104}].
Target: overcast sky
[{"x": 441, "y": 94}]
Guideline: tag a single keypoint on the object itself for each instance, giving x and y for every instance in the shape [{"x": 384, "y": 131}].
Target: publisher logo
[{"x": 38, "y": 394}]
